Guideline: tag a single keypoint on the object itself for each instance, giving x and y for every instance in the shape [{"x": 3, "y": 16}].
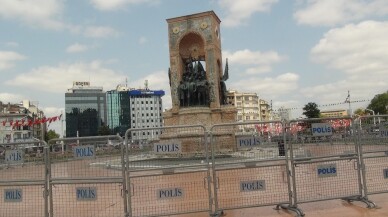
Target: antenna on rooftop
[
  {"x": 146, "y": 84},
  {"x": 126, "y": 82}
]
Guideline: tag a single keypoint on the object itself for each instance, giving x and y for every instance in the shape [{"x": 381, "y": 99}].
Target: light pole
[{"x": 373, "y": 113}]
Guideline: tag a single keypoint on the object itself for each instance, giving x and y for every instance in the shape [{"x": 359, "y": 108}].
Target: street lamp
[{"x": 373, "y": 113}]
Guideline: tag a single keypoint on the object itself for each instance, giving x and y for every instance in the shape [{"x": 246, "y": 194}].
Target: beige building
[
  {"x": 21, "y": 113},
  {"x": 334, "y": 113},
  {"x": 249, "y": 106}
]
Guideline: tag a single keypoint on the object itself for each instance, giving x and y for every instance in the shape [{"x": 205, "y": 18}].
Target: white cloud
[
  {"x": 76, "y": 48},
  {"x": 156, "y": 81},
  {"x": 48, "y": 14},
  {"x": 12, "y": 44},
  {"x": 34, "y": 12},
  {"x": 119, "y": 4},
  {"x": 258, "y": 70},
  {"x": 57, "y": 79},
  {"x": 256, "y": 61},
  {"x": 268, "y": 87},
  {"x": 357, "y": 50},
  {"x": 142, "y": 40},
  {"x": 7, "y": 59},
  {"x": 99, "y": 32},
  {"x": 238, "y": 12},
  {"x": 11, "y": 98},
  {"x": 334, "y": 12}
]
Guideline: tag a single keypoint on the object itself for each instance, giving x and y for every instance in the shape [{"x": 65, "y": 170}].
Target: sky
[{"x": 289, "y": 52}]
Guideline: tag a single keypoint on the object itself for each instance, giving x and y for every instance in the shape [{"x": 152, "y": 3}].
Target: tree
[
  {"x": 379, "y": 104},
  {"x": 51, "y": 134},
  {"x": 360, "y": 112},
  {"x": 104, "y": 130},
  {"x": 311, "y": 110}
]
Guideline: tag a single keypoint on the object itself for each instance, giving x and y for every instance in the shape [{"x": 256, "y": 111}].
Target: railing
[{"x": 191, "y": 169}]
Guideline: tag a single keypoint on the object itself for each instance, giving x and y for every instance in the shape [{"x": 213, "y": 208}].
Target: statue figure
[
  {"x": 222, "y": 90},
  {"x": 169, "y": 76},
  {"x": 182, "y": 89},
  {"x": 191, "y": 88},
  {"x": 203, "y": 91}
]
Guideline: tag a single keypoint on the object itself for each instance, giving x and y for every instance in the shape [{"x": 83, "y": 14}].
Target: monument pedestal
[
  {"x": 207, "y": 117},
  {"x": 200, "y": 115}
]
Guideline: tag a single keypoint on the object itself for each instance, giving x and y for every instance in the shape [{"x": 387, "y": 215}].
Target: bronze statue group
[{"x": 194, "y": 88}]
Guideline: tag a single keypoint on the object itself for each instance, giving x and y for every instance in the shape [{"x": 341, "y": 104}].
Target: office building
[
  {"x": 85, "y": 108},
  {"x": 146, "y": 112},
  {"x": 119, "y": 112}
]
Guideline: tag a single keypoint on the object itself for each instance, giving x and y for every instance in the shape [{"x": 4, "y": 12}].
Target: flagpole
[{"x": 350, "y": 107}]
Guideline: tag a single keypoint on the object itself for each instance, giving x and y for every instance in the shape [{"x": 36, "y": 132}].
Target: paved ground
[{"x": 333, "y": 208}]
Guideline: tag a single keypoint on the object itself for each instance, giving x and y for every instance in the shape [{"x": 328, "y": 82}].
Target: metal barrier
[
  {"x": 373, "y": 139},
  {"x": 329, "y": 167},
  {"x": 167, "y": 171},
  {"x": 87, "y": 177},
  {"x": 23, "y": 179},
  {"x": 250, "y": 166}
]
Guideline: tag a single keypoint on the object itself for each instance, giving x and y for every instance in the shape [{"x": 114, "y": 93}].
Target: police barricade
[
  {"x": 325, "y": 162},
  {"x": 249, "y": 163},
  {"x": 87, "y": 177},
  {"x": 23, "y": 179},
  {"x": 167, "y": 171},
  {"x": 373, "y": 138}
]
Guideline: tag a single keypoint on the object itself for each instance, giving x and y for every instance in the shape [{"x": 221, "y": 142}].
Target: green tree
[
  {"x": 311, "y": 110},
  {"x": 51, "y": 134},
  {"x": 379, "y": 104},
  {"x": 104, "y": 130},
  {"x": 360, "y": 112}
]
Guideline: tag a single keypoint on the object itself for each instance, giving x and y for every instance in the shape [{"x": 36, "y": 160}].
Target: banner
[{"x": 30, "y": 122}]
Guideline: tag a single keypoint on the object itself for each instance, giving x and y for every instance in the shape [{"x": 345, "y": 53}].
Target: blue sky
[{"x": 289, "y": 51}]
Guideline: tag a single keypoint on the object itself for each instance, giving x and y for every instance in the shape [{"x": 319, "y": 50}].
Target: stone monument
[{"x": 197, "y": 79}]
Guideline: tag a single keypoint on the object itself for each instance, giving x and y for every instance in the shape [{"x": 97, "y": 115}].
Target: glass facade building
[
  {"x": 85, "y": 109},
  {"x": 119, "y": 112}
]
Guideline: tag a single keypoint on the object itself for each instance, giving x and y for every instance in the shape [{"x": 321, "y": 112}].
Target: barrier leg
[
  {"x": 369, "y": 204},
  {"x": 298, "y": 211},
  {"x": 218, "y": 213}
]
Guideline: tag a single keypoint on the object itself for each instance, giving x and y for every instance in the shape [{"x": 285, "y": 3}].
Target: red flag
[
  {"x": 4, "y": 122},
  {"x": 30, "y": 122}
]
